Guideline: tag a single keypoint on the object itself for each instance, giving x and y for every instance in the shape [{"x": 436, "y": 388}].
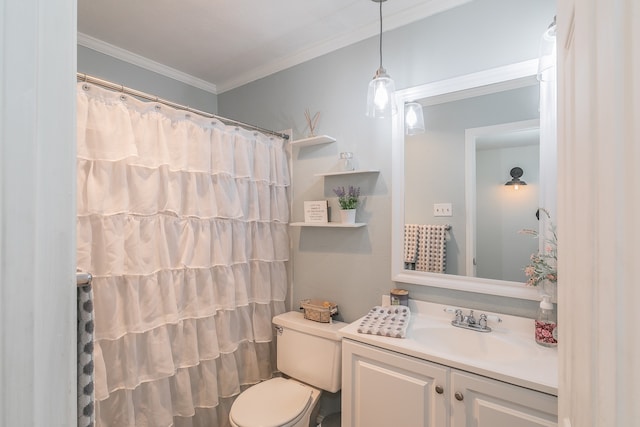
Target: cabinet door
[
  {"x": 382, "y": 389},
  {"x": 490, "y": 403}
]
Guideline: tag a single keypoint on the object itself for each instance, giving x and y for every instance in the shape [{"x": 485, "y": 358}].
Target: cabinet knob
[
  {"x": 439, "y": 389},
  {"x": 459, "y": 396}
]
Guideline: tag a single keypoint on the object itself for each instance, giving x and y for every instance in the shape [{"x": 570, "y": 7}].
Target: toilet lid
[{"x": 271, "y": 403}]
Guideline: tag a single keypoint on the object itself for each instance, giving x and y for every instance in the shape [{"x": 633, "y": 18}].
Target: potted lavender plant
[{"x": 348, "y": 201}]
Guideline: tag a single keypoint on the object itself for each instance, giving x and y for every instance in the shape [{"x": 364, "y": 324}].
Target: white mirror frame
[{"x": 503, "y": 78}]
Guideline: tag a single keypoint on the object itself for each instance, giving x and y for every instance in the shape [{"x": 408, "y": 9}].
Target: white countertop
[{"x": 508, "y": 353}]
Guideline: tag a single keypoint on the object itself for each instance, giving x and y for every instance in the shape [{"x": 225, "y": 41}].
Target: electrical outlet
[{"x": 442, "y": 209}]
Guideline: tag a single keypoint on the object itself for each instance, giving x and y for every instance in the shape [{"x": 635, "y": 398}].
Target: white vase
[{"x": 348, "y": 216}]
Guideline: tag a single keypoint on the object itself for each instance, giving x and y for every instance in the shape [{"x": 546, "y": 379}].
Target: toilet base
[
  {"x": 313, "y": 416},
  {"x": 333, "y": 420}
]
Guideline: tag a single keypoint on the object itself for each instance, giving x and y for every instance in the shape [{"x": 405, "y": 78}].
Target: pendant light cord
[{"x": 381, "y": 33}]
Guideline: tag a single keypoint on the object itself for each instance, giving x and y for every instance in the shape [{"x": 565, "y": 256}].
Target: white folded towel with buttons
[{"x": 388, "y": 321}]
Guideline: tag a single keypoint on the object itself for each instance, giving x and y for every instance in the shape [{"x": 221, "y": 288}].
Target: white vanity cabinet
[
  {"x": 478, "y": 401},
  {"x": 382, "y": 388}
]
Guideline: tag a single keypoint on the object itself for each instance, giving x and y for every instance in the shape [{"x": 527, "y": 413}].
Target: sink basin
[{"x": 473, "y": 344}]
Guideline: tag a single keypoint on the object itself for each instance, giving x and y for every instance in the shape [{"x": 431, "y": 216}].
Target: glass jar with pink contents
[{"x": 546, "y": 327}]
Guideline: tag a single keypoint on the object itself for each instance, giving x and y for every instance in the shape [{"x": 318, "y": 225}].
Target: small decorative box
[{"x": 319, "y": 310}]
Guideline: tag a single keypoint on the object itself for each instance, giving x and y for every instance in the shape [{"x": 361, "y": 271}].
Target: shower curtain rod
[{"x": 120, "y": 88}]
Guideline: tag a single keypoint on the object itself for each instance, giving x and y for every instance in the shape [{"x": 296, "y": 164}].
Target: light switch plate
[{"x": 442, "y": 209}]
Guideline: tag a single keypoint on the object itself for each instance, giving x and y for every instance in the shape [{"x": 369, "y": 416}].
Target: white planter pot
[{"x": 348, "y": 216}]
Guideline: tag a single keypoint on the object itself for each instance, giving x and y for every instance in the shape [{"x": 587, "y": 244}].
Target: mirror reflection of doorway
[{"x": 501, "y": 251}]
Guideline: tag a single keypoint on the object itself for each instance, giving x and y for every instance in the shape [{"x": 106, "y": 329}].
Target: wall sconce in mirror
[
  {"x": 413, "y": 118},
  {"x": 516, "y": 173}
]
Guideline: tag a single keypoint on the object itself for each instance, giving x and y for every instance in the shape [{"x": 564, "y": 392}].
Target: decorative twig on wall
[{"x": 312, "y": 122}]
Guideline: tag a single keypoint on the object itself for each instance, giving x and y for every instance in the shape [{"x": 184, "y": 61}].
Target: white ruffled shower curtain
[{"x": 183, "y": 223}]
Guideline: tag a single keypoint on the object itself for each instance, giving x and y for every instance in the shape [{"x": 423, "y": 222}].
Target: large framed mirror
[{"x": 481, "y": 130}]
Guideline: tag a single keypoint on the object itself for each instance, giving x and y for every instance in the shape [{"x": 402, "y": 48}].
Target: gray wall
[
  {"x": 352, "y": 266},
  {"x": 106, "y": 67}
]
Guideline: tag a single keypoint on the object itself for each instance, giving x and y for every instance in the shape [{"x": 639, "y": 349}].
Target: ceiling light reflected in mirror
[{"x": 413, "y": 118}]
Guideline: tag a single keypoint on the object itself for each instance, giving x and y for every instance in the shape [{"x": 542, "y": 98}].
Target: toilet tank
[{"x": 309, "y": 351}]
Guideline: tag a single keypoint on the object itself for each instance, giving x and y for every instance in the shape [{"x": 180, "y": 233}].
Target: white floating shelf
[
  {"x": 328, "y": 224},
  {"x": 314, "y": 140},
  {"x": 348, "y": 172}
]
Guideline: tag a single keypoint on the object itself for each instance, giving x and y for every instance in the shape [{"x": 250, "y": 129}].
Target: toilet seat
[{"x": 273, "y": 403}]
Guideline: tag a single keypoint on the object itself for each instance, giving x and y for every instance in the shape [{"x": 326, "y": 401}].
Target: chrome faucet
[{"x": 469, "y": 321}]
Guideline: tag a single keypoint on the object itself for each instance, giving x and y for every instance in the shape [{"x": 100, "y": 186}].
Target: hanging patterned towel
[
  {"x": 411, "y": 235},
  {"x": 388, "y": 321},
  {"x": 432, "y": 248},
  {"x": 86, "y": 416}
]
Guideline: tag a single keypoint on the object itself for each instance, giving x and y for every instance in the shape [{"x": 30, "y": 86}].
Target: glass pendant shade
[
  {"x": 413, "y": 118},
  {"x": 381, "y": 100}
]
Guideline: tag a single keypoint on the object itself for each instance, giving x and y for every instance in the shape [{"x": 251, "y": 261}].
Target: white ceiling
[
  {"x": 218, "y": 45},
  {"x": 511, "y": 139}
]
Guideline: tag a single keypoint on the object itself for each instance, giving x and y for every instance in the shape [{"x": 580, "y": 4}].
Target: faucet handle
[
  {"x": 457, "y": 313},
  {"x": 483, "y": 320}
]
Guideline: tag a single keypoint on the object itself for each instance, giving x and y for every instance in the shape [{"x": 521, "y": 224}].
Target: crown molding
[
  {"x": 146, "y": 63},
  {"x": 391, "y": 22}
]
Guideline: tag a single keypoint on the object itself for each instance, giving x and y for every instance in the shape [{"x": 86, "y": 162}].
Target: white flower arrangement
[{"x": 544, "y": 266}]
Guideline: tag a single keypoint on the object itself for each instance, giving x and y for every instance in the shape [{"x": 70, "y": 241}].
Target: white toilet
[{"x": 310, "y": 354}]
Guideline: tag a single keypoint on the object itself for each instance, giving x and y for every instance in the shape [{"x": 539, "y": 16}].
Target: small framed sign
[{"x": 316, "y": 211}]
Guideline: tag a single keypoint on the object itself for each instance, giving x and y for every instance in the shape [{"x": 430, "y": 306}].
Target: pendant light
[
  {"x": 413, "y": 118},
  {"x": 381, "y": 100}
]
